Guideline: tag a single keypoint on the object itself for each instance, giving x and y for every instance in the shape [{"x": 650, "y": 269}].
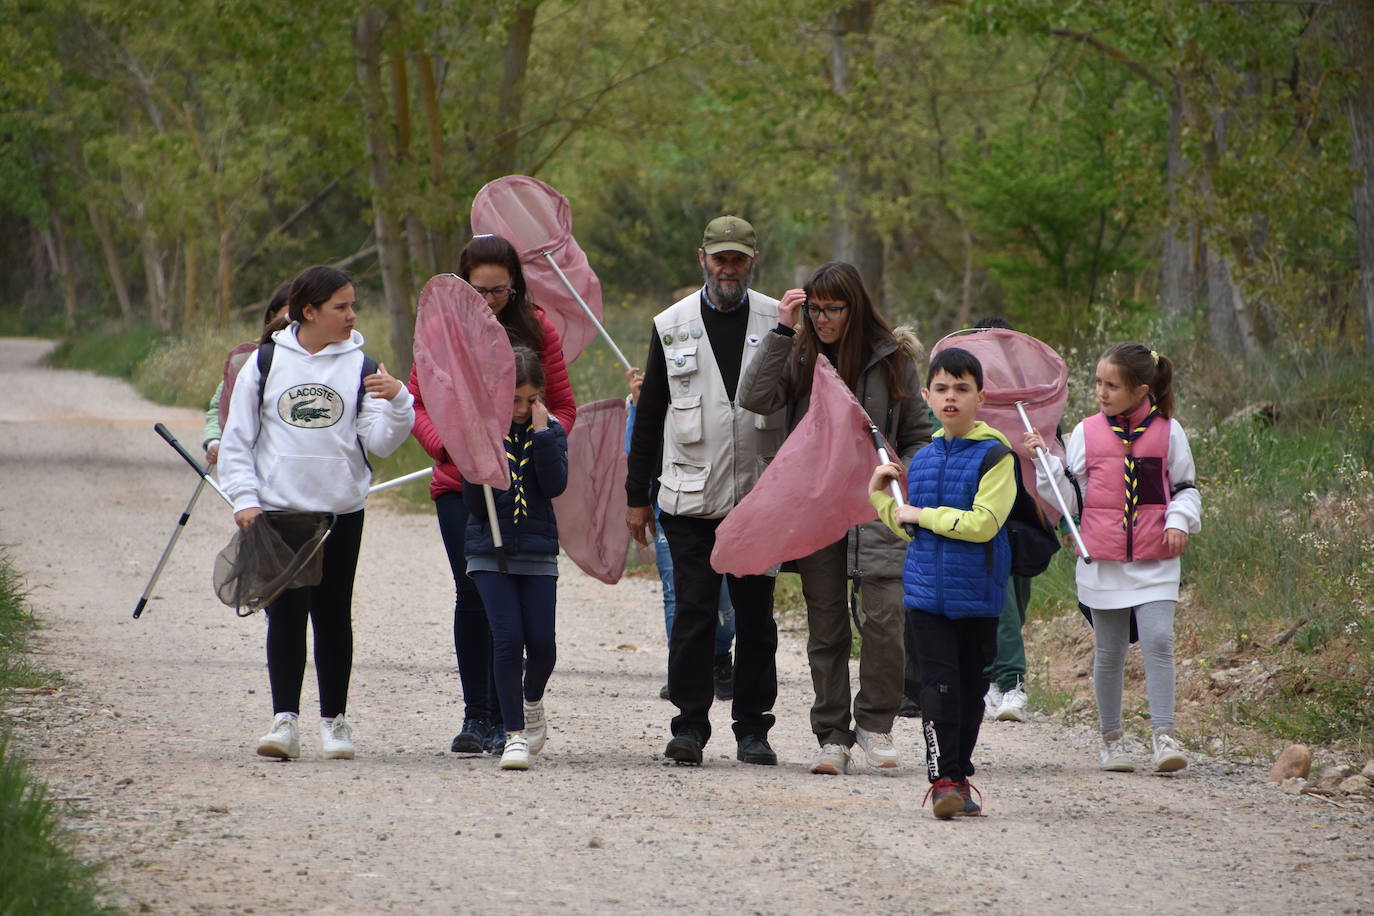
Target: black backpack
[
  {"x": 1033, "y": 540},
  {"x": 265, "y": 354}
]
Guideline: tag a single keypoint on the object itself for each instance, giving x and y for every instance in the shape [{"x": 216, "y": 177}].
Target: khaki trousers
[{"x": 882, "y": 656}]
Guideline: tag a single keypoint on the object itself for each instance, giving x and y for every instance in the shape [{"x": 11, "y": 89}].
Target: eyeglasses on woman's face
[
  {"x": 494, "y": 292},
  {"x": 830, "y": 312}
]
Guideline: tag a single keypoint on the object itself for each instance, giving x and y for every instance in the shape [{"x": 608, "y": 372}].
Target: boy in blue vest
[{"x": 960, "y": 490}]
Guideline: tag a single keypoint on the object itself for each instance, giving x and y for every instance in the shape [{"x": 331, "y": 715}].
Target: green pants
[{"x": 1009, "y": 667}]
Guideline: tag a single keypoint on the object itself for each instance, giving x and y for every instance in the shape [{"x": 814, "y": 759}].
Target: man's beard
[{"x": 729, "y": 295}]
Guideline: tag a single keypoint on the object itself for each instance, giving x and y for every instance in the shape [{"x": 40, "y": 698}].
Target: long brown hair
[
  {"x": 1140, "y": 365},
  {"x": 864, "y": 328},
  {"x": 518, "y": 317}
]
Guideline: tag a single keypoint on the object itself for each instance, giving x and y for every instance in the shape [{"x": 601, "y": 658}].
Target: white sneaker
[
  {"x": 284, "y": 740},
  {"x": 536, "y": 726},
  {"x": 1168, "y": 754},
  {"x": 833, "y": 761},
  {"x": 992, "y": 701},
  {"x": 336, "y": 738},
  {"x": 1112, "y": 755},
  {"x": 877, "y": 747},
  {"x": 516, "y": 756},
  {"x": 1013, "y": 707}
]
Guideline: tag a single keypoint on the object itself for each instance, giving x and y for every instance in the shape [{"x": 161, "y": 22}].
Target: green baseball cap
[{"x": 730, "y": 233}]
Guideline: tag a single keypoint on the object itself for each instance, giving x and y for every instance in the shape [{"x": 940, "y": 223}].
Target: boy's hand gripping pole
[
  {"x": 893, "y": 487},
  {"x": 1044, "y": 460}
]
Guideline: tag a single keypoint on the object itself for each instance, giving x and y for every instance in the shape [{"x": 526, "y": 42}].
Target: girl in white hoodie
[{"x": 295, "y": 442}]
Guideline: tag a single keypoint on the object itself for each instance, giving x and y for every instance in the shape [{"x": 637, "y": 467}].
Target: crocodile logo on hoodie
[{"x": 310, "y": 406}]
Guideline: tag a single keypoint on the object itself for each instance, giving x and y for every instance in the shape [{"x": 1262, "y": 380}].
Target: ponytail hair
[
  {"x": 1140, "y": 365},
  {"x": 272, "y": 325}
]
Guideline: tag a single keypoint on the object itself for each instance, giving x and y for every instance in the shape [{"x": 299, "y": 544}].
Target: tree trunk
[
  {"x": 1228, "y": 312},
  {"x": 62, "y": 253},
  {"x": 852, "y": 237},
  {"x": 1357, "y": 36},
  {"x": 154, "y": 271},
  {"x": 1179, "y": 289},
  {"x": 367, "y": 46},
  {"x": 111, "y": 254},
  {"x": 192, "y": 287},
  {"x": 444, "y": 238},
  {"x": 226, "y": 272},
  {"x": 511, "y": 95}
]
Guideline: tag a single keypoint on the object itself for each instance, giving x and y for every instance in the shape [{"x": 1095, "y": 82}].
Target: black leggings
[{"x": 329, "y": 606}]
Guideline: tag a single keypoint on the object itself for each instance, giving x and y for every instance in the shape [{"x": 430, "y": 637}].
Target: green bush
[
  {"x": 38, "y": 872},
  {"x": 113, "y": 350}
]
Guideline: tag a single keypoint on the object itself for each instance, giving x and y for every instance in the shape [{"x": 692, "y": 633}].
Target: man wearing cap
[{"x": 705, "y": 452}]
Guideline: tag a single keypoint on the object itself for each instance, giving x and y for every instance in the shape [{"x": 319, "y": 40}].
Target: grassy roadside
[{"x": 39, "y": 872}]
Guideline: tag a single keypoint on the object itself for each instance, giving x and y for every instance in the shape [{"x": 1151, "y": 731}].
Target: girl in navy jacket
[{"x": 520, "y": 601}]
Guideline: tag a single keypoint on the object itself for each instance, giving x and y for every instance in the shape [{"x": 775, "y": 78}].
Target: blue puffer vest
[
  {"x": 945, "y": 576},
  {"x": 545, "y": 476}
]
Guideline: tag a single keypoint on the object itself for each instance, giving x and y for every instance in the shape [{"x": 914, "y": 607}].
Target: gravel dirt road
[{"x": 150, "y": 743}]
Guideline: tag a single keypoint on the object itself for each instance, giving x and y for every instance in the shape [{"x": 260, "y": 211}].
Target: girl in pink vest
[{"x": 1138, "y": 505}]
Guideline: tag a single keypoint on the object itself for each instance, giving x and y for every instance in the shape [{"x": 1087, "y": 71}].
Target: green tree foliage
[{"x": 173, "y": 163}]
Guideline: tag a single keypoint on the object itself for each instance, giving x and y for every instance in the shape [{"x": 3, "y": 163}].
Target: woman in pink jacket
[{"x": 490, "y": 264}]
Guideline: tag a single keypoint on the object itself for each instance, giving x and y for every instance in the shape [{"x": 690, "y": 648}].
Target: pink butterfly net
[
  {"x": 591, "y": 511},
  {"x": 466, "y": 369},
  {"x": 537, "y": 220},
  {"x": 812, "y": 492},
  {"x": 1017, "y": 367}
]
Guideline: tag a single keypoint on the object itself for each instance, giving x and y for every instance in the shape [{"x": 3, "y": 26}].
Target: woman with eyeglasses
[
  {"x": 491, "y": 266},
  {"x": 878, "y": 363}
]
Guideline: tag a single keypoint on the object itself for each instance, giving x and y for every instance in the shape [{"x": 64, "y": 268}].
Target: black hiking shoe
[
  {"x": 496, "y": 742},
  {"x": 472, "y": 737},
  {"x": 755, "y": 749},
  {"x": 723, "y": 676},
  {"x": 685, "y": 749}
]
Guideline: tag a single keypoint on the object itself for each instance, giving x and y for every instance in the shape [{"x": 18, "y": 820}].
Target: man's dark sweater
[{"x": 726, "y": 332}]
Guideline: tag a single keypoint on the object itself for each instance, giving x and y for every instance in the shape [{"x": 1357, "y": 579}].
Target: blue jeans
[
  {"x": 520, "y": 609},
  {"x": 725, "y": 617},
  {"x": 471, "y": 633}
]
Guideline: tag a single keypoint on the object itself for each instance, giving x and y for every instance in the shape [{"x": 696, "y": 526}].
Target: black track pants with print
[{"x": 951, "y": 655}]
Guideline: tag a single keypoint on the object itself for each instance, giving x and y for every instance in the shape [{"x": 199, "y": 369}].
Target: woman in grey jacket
[{"x": 878, "y": 364}]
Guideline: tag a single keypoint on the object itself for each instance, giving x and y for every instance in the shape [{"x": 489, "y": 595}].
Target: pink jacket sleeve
[
  {"x": 558, "y": 393},
  {"x": 423, "y": 430}
]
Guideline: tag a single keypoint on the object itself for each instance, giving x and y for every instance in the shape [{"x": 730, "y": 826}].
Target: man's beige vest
[{"x": 713, "y": 450}]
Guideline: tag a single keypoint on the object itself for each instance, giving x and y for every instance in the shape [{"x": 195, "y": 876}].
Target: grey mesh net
[{"x": 280, "y": 550}]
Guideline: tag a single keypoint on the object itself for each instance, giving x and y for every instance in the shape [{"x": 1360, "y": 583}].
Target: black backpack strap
[
  {"x": 994, "y": 455},
  {"x": 369, "y": 368},
  {"x": 265, "y": 353}
]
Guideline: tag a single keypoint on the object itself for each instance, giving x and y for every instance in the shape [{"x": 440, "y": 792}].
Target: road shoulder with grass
[{"x": 149, "y": 744}]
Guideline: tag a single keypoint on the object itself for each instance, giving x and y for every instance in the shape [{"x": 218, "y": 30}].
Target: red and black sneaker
[
  {"x": 946, "y": 802},
  {"x": 966, "y": 791}
]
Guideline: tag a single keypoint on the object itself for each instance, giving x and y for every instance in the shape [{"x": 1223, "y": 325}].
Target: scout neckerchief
[
  {"x": 1128, "y": 434},
  {"x": 518, "y": 454}
]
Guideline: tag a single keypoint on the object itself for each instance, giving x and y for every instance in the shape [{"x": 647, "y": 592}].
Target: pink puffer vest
[{"x": 1105, "y": 498}]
